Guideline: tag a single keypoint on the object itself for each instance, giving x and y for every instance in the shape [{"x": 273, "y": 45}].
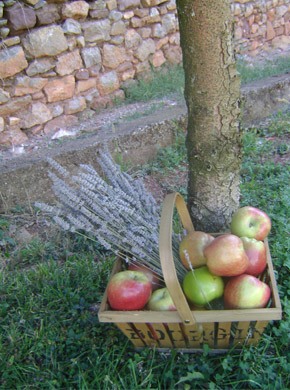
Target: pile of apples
[{"x": 224, "y": 268}]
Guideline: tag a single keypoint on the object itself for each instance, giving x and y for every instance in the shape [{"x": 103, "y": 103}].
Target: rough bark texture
[{"x": 212, "y": 93}]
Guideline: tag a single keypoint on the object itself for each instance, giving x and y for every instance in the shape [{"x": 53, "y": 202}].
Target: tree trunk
[{"x": 212, "y": 93}]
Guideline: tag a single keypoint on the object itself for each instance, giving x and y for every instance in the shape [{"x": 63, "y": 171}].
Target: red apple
[
  {"x": 225, "y": 256},
  {"x": 200, "y": 286},
  {"x": 129, "y": 290},
  {"x": 161, "y": 300},
  {"x": 256, "y": 252},
  {"x": 151, "y": 275},
  {"x": 191, "y": 249},
  {"x": 246, "y": 292},
  {"x": 250, "y": 222}
]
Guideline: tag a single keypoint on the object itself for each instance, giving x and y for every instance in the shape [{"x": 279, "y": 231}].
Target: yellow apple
[{"x": 191, "y": 249}]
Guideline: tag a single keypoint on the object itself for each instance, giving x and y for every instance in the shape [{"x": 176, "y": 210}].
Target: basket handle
[{"x": 165, "y": 251}]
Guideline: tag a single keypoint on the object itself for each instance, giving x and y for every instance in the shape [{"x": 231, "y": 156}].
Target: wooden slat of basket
[
  {"x": 130, "y": 332},
  {"x": 256, "y": 331},
  {"x": 161, "y": 334},
  {"x": 166, "y": 257},
  {"x": 177, "y": 335},
  {"x": 223, "y": 335},
  {"x": 273, "y": 283},
  {"x": 193, "y": 335}
]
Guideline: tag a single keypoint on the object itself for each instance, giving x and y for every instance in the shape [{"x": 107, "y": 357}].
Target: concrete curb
[{"x": 24, "y": 180}]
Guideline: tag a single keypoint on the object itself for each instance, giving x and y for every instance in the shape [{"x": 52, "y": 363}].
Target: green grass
[
  {"x": 268, "y": 68},
  {"x": 50, "y": 289},
  {"x": 169, "y": 80},
  {"x": 161, "y": 82}
]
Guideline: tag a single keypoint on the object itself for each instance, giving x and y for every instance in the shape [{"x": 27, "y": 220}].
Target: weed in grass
[{"x": 6, "y": 241}]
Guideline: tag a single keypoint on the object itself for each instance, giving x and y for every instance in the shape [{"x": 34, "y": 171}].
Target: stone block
[
  {"x": 137, "y": 22},
  {"x": 169, "y": 23},
  {"x": 75, "y": 105},
  {"x": 72, "y": 27},
  {"x": 97, "y": 31},
  {"x": 158, "y": 59},
  {"x": 158, "y": 31},
  {"x": 113, "y": 56},
  {"x": 82, "y": 74},
  {"x": 25, "y": 85},
  {"x": 111, "y": 4},
  {"x": 91, "y": 56},
  {"x": 145, "y": 32},
  {"x": 128, "y": 74},
  {"x": 45, "y": 41},
  {"x": 141, "y": 12},
  {"x": 127, "y": 4},
  {"x": 4, "y": 96},
  {"x": 40, "y": 66},
  {"x": 108, "y": 83},
  {"x": 173, "y": 55},
  {"x": 61, "y": 122},
  {"x": 38, "y": 114},
  {"x": 146, "y": 48},
  {"x": 15, "y": 105},
  {"x": 270, "y": 34},
  {"x": 75, "y": 10},
  {"x": 115, "y": 16},
  {"x": 118, "y": 28},
  {"x": 11, "y": 41},
  {"x": 12, "y": 137},
  {"x": 69, "y": 62},
  {"x": 12, "y": 61},
  {"x": 132, "y": 39},
  {"x": 60, "y": 89},
  {"x": 85, "y": 85},
  {"x": 2, "y": 124},
  {"x": 99, "y": 13},
  {"x": 117, "y": 40},
  {"x": 128, "y": 15},
  {"x": 20, "y": 17},
  {"x": 47, "y": 14}
]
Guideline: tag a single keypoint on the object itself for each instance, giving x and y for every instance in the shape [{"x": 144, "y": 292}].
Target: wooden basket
[{"x": 187, "y": 329}]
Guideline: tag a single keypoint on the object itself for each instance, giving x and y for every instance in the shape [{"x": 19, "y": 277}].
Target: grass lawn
[{"x": 51, "y": 287}]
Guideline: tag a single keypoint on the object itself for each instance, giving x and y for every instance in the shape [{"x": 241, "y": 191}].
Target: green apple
[
  {"x": 200, "y": 286},
  {"x": 161, "y": 300}
]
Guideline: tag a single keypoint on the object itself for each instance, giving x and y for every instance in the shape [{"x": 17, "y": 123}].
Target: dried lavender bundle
[{"x": 117, "y": 211}]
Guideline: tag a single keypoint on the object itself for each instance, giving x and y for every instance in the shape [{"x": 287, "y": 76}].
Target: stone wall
[{"x": 59, "y": 57}]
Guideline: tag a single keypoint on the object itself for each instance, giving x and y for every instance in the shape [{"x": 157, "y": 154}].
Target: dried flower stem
[{"x": 116, "y": 211}]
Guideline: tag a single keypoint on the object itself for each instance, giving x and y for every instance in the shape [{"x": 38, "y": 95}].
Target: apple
[
  {"x": 129, "y": 290},
  {"x": 191, "y": 249},
  {"x": 246, "y": 292},
  {"x": 251, "y": 222},
  {"x": 200, "y": 286},
  {"x": 225, "y": 256},
  {"x": 256, "y": 252},
  {"x": 161, "y": 300},
  {"x": 151, "y": 275}
]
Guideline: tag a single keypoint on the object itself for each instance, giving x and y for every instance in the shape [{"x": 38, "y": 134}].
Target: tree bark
[{"x": 212, "y": 93}]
